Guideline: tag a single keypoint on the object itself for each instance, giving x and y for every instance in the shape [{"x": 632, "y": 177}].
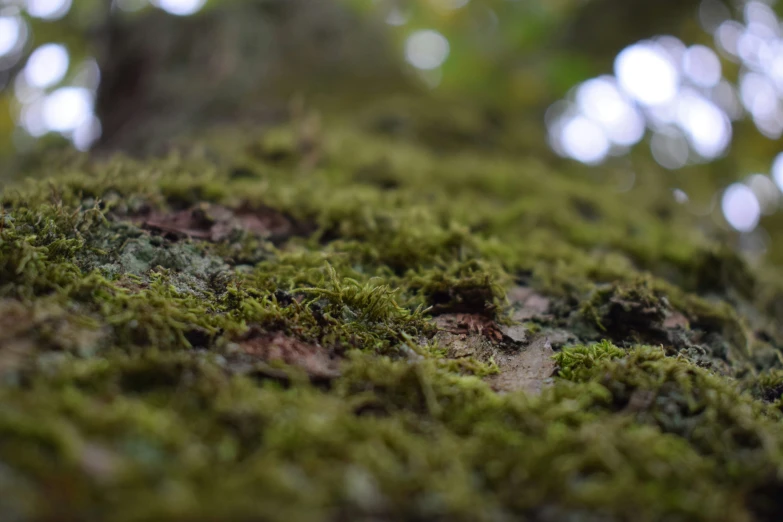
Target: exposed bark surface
[{"x": 270, "y": 349}]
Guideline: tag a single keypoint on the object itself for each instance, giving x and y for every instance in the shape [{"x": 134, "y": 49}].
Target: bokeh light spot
[
  {"x": 426, "y": 49},
  {"x": 707, "y": 127},
  {"x": 181, "y": 7},
  {"x": 11, "y": 33},
  {"x": 728, "y": 35},
  {"x": 600, "y": 100},
  {"x": 46, "y": 66},
  {"x": 48, "y": 9},
  {"x": 680, "y": 196},
  {"x": 86, "y": 133},
  {"x": 583, "y": 140},
  {"x": 760, "y": 99},
  {"x": 67, "y": 108},
  {"x": 702, "y": 66},
  {"x": 759, "y": 14},
  {"x": 645, "y": 73},
  {"x": 775, "y": 70},
  {"x": 740, "y": 207}
]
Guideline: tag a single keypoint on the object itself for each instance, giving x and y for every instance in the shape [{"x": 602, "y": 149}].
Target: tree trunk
[{"x": 381, "y": 312}]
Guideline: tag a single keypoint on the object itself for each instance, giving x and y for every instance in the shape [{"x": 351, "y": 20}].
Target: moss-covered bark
[{"x": 380, "y": 318}]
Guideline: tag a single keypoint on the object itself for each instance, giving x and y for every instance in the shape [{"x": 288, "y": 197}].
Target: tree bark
[{"x": 379, "y": 313}]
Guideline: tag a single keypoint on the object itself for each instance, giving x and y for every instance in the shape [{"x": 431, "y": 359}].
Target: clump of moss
[
  {"x": 628, "y": 311},
  {"x": 768, "y": 387},
  {"x": 576, "y": 362},
  {"x": 467, "y": 287},
  {"x": 722, "y": 272}
]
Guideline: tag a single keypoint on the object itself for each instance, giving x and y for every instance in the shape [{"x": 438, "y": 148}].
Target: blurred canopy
[{"x": 687, "y": 91}]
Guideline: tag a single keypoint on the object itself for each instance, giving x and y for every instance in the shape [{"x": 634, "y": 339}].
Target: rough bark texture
[{"x": 386, "y": 316}]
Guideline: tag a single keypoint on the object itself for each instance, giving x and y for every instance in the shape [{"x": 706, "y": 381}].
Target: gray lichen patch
[{"x": 121, "y": 251}]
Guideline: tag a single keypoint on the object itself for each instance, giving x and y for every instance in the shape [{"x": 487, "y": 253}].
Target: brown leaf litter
[
  {"x": 266, "y": 352},
  {"x": 211, "y": 222}
]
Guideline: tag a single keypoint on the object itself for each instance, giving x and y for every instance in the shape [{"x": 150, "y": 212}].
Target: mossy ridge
[
  {"x": 392, "y": 438},
  {"x": 138, "y": 382}
]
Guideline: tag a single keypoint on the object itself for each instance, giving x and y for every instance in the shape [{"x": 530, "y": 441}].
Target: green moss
[
  {"x": 164, "y": 377},
  {"x": 576, "y": 362},
  {"x": 472, "y": 287},
  {"x": 768, "y": 387}
]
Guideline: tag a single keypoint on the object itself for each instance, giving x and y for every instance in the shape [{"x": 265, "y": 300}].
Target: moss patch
[{"x": 376, "y": 326}]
